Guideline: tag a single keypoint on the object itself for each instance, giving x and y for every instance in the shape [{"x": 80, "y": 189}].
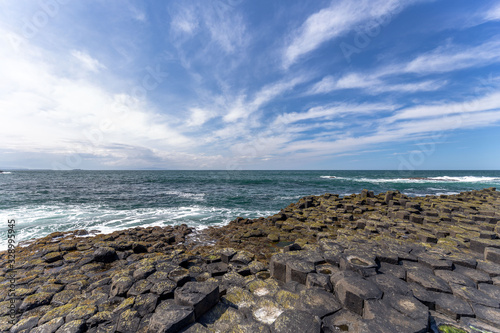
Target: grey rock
[
  {"x": 345, "y": 321},
  {"x": 319, "y": 280},
  {"x": 354, "y": 291},
  {"x": 105, "y": 254},
  {"x": 452, "y": 306},
  {"x": 428, "y": 280},
  {"x": 297, "y": 270},
  {"x": 50, "y": 326},
  {"x": 293, "y": 321},
  {"x": 473, "y": 295},
  {"x": 318, "y": 302},
  {"x": 75, "y": 326},
  {"x": 396, "y": 270},
  {"x": 492, "y": 254},
  {"x": 490, "y": 289},
  {"x": 388, "y": 283},
  {"x": 487, "y": 314},
  {"x": 475, "y": 275},
  {"x": 24, "y": 324},
  {"x": 171, "y": 319},
  {"x": 455, "y": 277},
  {"x": 202, "y": 296}
]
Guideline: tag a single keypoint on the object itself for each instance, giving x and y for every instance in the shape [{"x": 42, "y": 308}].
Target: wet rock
[
  {"x": 105, "y": 254},
  {"x": 200, "y": 295}
]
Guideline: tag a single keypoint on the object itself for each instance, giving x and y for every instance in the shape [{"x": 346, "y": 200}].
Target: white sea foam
[
  {"x": 5, "y": 173},
  {"x": 440, "y": 179},
  {"x": 39, "y": 221}
]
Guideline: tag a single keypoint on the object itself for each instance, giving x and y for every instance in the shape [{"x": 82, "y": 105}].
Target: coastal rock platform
[{"x": 359, "y": 263}]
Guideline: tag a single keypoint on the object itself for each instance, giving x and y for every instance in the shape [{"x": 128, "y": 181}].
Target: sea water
[{"x": 42, "y": 202}]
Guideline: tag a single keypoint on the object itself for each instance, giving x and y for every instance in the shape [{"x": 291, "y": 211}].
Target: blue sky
[{"x": 240, "y": 84}]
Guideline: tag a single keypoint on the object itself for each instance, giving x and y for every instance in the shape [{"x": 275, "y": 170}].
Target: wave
[
  {"x": 5, "y": 173},
  {"x": 194, "y": 196},
  {"x": 40, "y": 221},
  {"x": 440, "y": 179}
]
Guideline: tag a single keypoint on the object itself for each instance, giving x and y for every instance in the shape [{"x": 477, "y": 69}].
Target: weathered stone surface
[
  {"x": 487, "y": 314},
  {"x": 50, "y": 326},
  {"x": 171, "y": 319},
  {"x": 474, "y": 325},
  {"x": 297, "y": 270},
  {"x": 452, "y": 306},
  {"x": 319, "y": 280},
  {"x": 76, "y": 326},
  {"x": 200, "y": 295},
  {"x": 381, "y": 317},
  {"x": 492, "y": 254},
  {"x": 105, "y": 254},
  {"x": 128, "y": 321},
  {"x": 475, "y": 275},
  {"x": 296, "y": 321},
  {"x": 354, "y": 291},
  {"x": 479, "y": 244},
  {"x": 121, "y": 285},
  {"x": 36, "y": 300},
  {"x": 390, "y": 284},
  {"x": 454, "y": 277},
  {"x": 428, "y": 281},
  {"x": 473, "y": 295},
  {"x": 24, "y": 324},
  {"x": 489, "y": 268},
  {"x": 362, "y": 265},
  {"x": 318, "y": 302},
  {"x": 345, "y": 321}
]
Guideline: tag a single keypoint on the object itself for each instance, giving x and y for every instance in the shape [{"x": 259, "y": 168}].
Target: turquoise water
[{"x": 42, "y": 202}]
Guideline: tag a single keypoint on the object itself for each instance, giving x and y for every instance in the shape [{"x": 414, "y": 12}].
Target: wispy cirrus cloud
[
  {"x": 87, "y": 61},
  {"x": 334, "y": 21}
]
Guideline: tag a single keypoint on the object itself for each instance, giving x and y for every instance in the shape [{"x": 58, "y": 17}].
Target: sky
[{"x": 242, "y": 85}]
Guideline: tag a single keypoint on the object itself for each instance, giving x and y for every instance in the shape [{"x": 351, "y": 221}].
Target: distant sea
[{"x": 42, "y": 202}]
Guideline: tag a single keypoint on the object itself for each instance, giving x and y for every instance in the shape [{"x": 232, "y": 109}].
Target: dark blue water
[{"x": 46, "y": 201}]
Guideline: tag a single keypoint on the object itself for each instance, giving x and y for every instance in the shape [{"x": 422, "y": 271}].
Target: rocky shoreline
[{"x": 361, "y": 263}]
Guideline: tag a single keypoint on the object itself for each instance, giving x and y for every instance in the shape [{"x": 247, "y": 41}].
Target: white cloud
[
  {"x": 242, "y": 109},
  {"x": 493, "y": 14},
  {"x": 87, "y": 61},
  {"x": 328, "y": 112},
  {"x": 185, "y": 20},
  {"x": 372, "y": 84},
  {"x": 452, "y": 57},
  {"x": 484, "y": 103},
  {"x": 336, "y": 20}
]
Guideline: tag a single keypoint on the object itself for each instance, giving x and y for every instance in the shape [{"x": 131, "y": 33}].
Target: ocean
[{"x": 42, "y": 202}]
